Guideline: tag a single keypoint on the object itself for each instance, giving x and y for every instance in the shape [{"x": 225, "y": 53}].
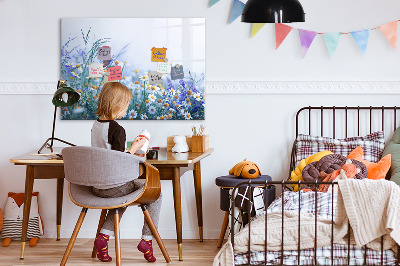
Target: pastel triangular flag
[
  {"x": 306, "y": 39},
  {"x": 281, "y": 31},
  {"x": 213, "y": 2},
  {"x": 332, "y": 41},
  {"x": 255, "y": 28},
  {"x": 390, "y": 32},
  {"x": 237, "y": 9},
  {"x": 361, "y": 37}
]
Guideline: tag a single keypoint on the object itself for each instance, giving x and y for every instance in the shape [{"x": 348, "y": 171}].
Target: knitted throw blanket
[{"x": 373, "y": 209}]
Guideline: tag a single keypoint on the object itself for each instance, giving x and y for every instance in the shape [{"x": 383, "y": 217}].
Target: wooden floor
[{"x": 50, "y": 252}]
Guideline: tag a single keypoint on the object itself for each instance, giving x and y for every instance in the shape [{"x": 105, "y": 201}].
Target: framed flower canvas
[{"x": 161, "y": 60}]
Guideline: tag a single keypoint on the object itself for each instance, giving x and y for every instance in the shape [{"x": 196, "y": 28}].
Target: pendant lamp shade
[{"x": 273, "y": 11}]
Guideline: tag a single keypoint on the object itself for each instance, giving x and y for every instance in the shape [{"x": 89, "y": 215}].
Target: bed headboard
[{"x": 344, "y": 121}]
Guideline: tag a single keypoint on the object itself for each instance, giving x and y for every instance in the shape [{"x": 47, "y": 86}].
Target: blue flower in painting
[
  {"x": 81, "y": 53},
  {"x": 69, "y": 67},
  {"x": 182, "y": 83},
  {"x": 169, "y": 84}
]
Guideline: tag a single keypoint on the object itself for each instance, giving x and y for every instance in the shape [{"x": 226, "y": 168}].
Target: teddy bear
[
  {"x": 180, "y": 144},
  {"x": 245, "y": 169},
  {"x": 13, "y": 215}
]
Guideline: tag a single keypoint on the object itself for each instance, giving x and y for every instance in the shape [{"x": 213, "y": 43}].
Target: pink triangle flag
[
  {"x": 389, "y": 30},
  {"x": 281, "y": 31},
  {"x": 306, "y": 39}
]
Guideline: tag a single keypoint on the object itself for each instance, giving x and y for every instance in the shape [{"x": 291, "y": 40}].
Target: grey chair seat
[{"x": 83, "y": 196}]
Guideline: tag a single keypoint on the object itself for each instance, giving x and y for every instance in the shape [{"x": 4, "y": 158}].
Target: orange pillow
[{"x": 375, "y": 170}]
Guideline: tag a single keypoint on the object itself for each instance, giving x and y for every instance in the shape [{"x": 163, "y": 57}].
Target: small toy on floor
[{"x": 13, "y": 215}]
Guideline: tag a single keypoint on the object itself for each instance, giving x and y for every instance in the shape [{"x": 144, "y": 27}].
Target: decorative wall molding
[
  {"x": 303, "y": 87},
  {"x": 249, "y": 87}
]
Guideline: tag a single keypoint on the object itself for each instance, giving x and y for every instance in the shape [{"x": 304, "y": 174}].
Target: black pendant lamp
[{"x": 272, "y": 11}]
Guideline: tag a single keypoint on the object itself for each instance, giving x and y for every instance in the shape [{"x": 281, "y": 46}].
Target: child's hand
[
  {"x": 143, "y": 155},
  {"x": 137, "y": 144}
]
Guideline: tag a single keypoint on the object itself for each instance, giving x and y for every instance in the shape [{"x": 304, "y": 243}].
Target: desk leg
[
  {"x": 60, "y": 190},
  {"x": 176, "y": 182},
  {"x": 27, "y": 206},
  {"x": 197, "y": 189}
]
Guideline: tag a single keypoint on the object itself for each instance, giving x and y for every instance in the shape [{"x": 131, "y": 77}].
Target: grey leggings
[{"x": 154, "y": 208}]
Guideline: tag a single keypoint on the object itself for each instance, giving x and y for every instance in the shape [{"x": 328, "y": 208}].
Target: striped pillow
[{"x": 372, "y": 145}]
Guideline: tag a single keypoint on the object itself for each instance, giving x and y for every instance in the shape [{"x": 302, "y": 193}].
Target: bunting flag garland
[
  {"x": 256, "y": 27},
  {"x": 281, "y": 31},
  {"x": 361, "y": 37},
  {"x": 213, "y": 2},
  {"x": 306, "y": 39},
  {"x": 332, "y": 41},
  {"x": 389, "y": 30},
  {"x": 237, "y": 9}
]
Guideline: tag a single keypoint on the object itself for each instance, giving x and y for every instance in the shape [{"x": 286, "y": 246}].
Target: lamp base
[{"x": 50, "y": 146}]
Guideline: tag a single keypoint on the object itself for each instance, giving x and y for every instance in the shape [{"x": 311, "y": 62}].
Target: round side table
[{"x": 228, "y": 182}]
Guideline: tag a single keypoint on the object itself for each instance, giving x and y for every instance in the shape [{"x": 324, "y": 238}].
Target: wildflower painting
[{"x": 131, "y": 41}]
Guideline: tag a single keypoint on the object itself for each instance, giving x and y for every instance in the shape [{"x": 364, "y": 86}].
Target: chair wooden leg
[
  {"x": 101, "y": 222},
  {"x": 73, "y": 237},
  {"x": 154, "y": 230},
  {"x": 223, "y": 229},
  {"x": 117, "y": 239}
]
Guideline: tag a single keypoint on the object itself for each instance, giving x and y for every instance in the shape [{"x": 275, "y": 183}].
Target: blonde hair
[{"x": 112, "y": 99}]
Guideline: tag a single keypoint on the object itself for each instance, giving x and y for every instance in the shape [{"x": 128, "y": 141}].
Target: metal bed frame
[{"x": 283, "y": 184}]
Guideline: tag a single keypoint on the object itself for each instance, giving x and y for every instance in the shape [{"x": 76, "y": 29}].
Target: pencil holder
[{"x": 200, "y": 143}]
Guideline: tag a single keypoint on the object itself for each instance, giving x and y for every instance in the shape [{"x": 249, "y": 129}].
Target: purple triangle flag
[
  {"x": 237, "y": 9},
  {"x": 306, "y": 39},
  {"x": 361, "y": 37}
]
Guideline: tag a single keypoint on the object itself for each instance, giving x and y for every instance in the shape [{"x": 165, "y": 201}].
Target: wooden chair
[{"x": 85, "y": 167}]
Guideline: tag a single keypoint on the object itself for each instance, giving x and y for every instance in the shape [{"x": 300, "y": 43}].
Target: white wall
[{"x": 259, "y": 127}]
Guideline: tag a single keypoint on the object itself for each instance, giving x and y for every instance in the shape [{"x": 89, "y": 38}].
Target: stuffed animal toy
[
  {"x": 180, "y": 144},
  {"x": 13, "y": 215},
  {"x": 245, "y": 169}
]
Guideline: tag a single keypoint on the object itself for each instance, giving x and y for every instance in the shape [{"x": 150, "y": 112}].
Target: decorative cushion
[
  {"x": 372, "y": 144},
  {"x": 393, "y": 148},
  {"x": 327, "y": 165},
  {"x": 375, "y": 170}
]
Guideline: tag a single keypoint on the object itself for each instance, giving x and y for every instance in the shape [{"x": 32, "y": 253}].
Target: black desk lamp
[
  {"x": 273, "y": 11},
  {"x": 63, "y": 97}
]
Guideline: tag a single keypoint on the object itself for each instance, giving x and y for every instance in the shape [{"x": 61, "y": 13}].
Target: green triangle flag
[
  {"x": 332, "y": 41},
  {"x": 255, "y": 28},
  {"x": 213, "y": 2}
]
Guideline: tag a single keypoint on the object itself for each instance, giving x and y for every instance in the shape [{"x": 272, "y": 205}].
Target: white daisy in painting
[
  {"x": 152, "y": 109},
  {"x": 143, "y": 117},
  {"x": 132, "y": 114},
  {"x": 152, "y": 97},
  {"x": 187, "y": 116},
  {"x": 74, "y": 74},
  {"x": 197, "y": 96}
]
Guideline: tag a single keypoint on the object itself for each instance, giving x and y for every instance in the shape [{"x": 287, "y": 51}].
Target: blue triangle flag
[
  {"x": 361, "y": 37},
  {"x": 332, "y": 41},
  {"x": 237, "y": 9},
  {"x": 213, "y": 2}
]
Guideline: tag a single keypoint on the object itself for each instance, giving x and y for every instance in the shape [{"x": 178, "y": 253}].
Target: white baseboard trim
[{"x": 248, "y": 87}]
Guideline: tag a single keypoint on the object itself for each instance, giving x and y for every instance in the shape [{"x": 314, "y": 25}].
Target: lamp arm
[{"x": 54, "y": 126}]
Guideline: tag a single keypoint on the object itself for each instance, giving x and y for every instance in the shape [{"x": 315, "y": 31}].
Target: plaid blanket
[{"x": 323, "y": 205}]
